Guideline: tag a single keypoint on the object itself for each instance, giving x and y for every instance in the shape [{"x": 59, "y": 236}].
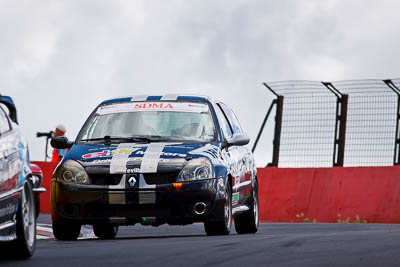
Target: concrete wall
[
  {"x": 363, "y": 194},
  {"x": 370, "y": 194}
]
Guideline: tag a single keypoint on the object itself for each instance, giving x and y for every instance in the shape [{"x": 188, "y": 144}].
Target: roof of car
[{"x": 174, "y": 97}]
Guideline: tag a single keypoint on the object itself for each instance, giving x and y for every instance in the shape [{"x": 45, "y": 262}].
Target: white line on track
[{"x": 45, "y": 231}]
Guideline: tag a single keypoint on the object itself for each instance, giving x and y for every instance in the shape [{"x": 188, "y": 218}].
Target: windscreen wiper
[
  {"x": 105, "y": 138},
  {"x": 138, "y": 138},
  {"x": 146, "y": 138},
  {"x": 179, "y": 138}
]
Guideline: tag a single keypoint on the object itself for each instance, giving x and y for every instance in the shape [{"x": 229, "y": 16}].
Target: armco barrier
[{"x": 363, "y": 194}]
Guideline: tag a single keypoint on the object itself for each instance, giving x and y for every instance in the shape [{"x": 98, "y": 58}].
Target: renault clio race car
[
  {"x": 154, "y": 160},
  {"x": 17, "y": 205}
]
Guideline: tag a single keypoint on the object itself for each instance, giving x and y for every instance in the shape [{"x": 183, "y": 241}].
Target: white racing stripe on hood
[
  {"x": 117, "y": 197},
  {"x": 170, "y": 97},
  {"x": 149, "y": 164},
  {"x": 146, "y": 196},
  {"x": 151, "y": 158},
  {"x": 118, "y": 161}
]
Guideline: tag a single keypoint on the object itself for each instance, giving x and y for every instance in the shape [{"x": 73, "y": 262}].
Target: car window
[
  {"x": 232, "y": 118},
  {"x": 225, "y": 127},
  {"x": 183, "y": 121},
  {"x": 4, "y": 123}
]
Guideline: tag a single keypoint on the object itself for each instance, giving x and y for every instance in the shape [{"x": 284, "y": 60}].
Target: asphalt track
[{"x": 276, "y": 244}]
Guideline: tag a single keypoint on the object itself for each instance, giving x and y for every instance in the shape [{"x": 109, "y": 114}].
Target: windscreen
[{"x": 165, "y": 121}]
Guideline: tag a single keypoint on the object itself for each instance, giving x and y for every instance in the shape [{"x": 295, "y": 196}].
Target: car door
[
  {"x": 231, "y": 155},
  {"x": 243, "y": 158}
]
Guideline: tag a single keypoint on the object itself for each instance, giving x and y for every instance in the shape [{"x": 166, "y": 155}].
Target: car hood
[{"x": 140, "y": 158}]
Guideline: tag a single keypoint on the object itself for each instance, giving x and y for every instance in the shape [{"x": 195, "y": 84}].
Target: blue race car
[
  {"x": 154, "y": 160},
  {"x": 17, "y": 205}
]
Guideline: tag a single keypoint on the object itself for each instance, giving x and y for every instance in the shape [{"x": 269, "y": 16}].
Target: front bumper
[{"x": 90, "y": 204}]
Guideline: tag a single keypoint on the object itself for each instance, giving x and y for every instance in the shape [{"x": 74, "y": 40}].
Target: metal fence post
[
  {"x": 340, "y": 125},
  {"x": 278, "y": 126},
  {"x": 396, "y": 90},
  {"x": 263, "y": 125},
  {"x": 342, "y": 119},
  {"x": 277, "y": 134}
]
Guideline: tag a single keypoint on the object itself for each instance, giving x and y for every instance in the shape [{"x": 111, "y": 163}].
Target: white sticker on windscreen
[{"x": 152, "y": 106}]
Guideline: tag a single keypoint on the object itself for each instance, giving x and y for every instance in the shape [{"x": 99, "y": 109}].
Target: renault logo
[{"x": 132, "y": 181}]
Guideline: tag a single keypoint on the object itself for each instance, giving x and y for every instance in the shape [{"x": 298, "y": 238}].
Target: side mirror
[
  {"x": 61, "y": 142},
  {"x": 239, "y": 139}
]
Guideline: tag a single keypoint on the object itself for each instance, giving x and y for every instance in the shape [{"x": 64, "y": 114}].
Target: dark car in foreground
[
  {"x": 17, "y": 207},
  {"x": 154, "y": 160}
]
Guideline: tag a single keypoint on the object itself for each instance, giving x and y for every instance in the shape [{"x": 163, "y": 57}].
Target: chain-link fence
[
  {"x": 344, "y": 123},
  {"x": 308, "y": 124}
]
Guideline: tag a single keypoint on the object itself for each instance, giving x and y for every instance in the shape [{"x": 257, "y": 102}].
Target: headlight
[
  {"x": 197, "y": 169},
  {"x": 73, "y": 172}
]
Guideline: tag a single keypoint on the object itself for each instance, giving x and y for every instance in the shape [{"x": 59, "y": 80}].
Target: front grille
[
  {"x": 105, "y": 179},
  {"x": 160, "y": 178}
]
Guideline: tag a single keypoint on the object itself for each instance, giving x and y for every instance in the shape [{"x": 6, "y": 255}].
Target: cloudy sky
[{"x": 59, "y": 59}]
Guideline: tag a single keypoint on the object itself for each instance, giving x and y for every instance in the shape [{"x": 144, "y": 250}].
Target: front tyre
[
  {"x": 105, "y": 231},
  {"x": 26, "y": 225},
  {"x": 66, "y": 231},
  {"x": 24, "y": 245},
  {"x": 247, "y": 222},
  {"x": 222, "y": 227}
]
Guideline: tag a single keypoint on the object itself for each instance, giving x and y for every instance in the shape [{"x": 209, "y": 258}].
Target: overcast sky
[{"x": 59, "y": 59}]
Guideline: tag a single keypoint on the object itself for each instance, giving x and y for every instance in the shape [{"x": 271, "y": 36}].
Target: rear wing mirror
[
  {"x": 239, "y": 139},
  {"x": 61, "y": 142}
]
